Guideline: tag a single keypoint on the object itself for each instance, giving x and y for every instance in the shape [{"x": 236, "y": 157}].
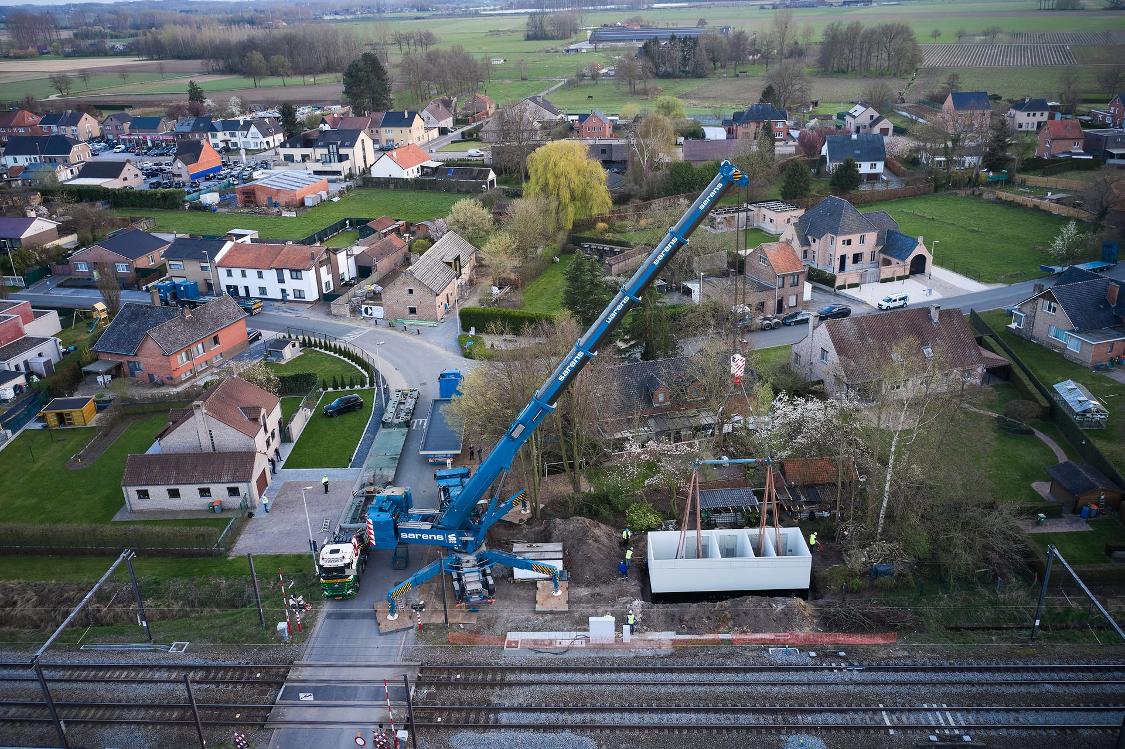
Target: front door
[
  {"x": 780, "y": 307},
  {"x": 284, "y": 294},
  {"x": 843, "y": 260},
  {"x": 232, "y": 290},
  {"x": 246, "y": 291}
]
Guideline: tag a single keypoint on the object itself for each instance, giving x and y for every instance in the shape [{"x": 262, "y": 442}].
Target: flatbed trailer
[{"x": 441, "y": 441}]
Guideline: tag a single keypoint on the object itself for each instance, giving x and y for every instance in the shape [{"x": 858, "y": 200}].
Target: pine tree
[
  {"x": 650, "y": 327},
  {"x": 195, "y": 92},
  {"x": 366, "y": 85},
  {"x": 997, "y": 150},
  {"x": 289, "y": 124},
  {"x": 796, "y": 182},
  {"x": 335, "y": 382},
  {"x": 585, "y": 293},
  {"x": 846, "y": 177}
]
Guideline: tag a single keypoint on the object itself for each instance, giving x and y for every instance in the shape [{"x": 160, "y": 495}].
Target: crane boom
[{"x": 586, "y": 348}]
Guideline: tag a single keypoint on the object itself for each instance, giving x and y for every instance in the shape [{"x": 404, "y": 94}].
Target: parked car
[
  {"x": 834, "y": 311},
  {"x": 800, "y": 317},
  {"x": 893, "y": 301},
  {"x": 253, "y": 334},
  {"x": 343, "y": 405},
  {"x": 474, "y": 153}
]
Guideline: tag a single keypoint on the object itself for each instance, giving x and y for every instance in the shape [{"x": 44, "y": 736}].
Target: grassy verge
[
  {"x": 1085, "y": 547},
  {"x": 773, "y": 356},
  {"x": 545, "y": 293},
  {"x": 90, "y": 568},
  {"x": 38, "y": 487},
  {"x": 990, "y": 241},
  {"x": 324, "y": 365},
  {"x": 328, "y": 442},
  {"x": 411, "y": 205}
]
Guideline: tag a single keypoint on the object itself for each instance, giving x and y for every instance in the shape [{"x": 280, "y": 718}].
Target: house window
[
  {"x": 411, "y": 310},
  {"x": 298, "y": 293},
  {"x": 796, "y": 360},
  {"x": 175, "y": 265},
  {"x": 863, "y": 239},
  {"x": 872, "y": 258},
  {"x": 261, "y": 291},
  {"x": 215, "y": 340},
  {"x": 260, "y": 275},
  {"x": 205, "y": 492},
  {"x": 183, "y": 357},
  {"x": 233, "y": 491},
  {"x": 242, "y": 272},
  {"x": 763, "y": 260},
  {"x": 1050, "y": 307},
  {"x": 804, "y": 254},
  {"x": 280, "y": 276},
  {"x": 874, "y": 165},
  {"x": 142, "y": 493},
  {"x": 327, "y": 285},
  {"x": 846, "y": 243},
  {"x": 410, "y": 292},
  {"x": 295, "y": 275},
  {"x": 121, "y": 267},
  {"x": 81, "y": 267},
  {"x": 151, "y": 259},
  {"x": 928, "y": 352},
  {"x": 824, "y": 355},
  {"x": 857, "y": 258},
  {"x": 1073, "y": 343},
  {"x": 795, "y": 279},
  {"x": 205, "y": 267},
  {"x": 173, "y": 494},
  {"x": 1057, "y": 333},
  {"x": 230, "y": 273},
  {"x": 1017, "y": 319}
]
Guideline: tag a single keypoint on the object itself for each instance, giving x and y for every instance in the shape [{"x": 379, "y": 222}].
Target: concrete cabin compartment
[{"x": 728, "y": 560}]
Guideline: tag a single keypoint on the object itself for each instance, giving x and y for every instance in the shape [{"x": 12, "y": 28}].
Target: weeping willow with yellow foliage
[{"x": 564, "y": 172}]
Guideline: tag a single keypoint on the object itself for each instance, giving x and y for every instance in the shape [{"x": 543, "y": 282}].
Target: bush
[
  {"x": 1013, "y": 426},
  {"x": 112, "y": 537},
  {"x": 420, "y": 245},
  {"x": 166, "y": 199},
  {"x": 641, "y": 516},
  {"x": 1050, "y": 509},
  {"x": 816, "y": 275},
  {"x": 296, "y": 384},
  {"x": 472, "y": 346},
  {"x": 509, "y": 321},
  {"x": 601, "y": 227},
  {"x": 1023, "y": 410}
]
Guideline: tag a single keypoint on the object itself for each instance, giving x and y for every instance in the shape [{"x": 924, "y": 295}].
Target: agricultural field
[{"x": 996, "y": 55}]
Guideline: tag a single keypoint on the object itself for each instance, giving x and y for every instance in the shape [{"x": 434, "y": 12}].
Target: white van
[{"x": 893, "y": 301}]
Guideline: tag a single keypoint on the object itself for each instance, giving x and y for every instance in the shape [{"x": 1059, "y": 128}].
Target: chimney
[
  {"x": 186, "y": 311},
  {"x": 1111, "y": 293},
  {"x": 934, "y": 310},
  {"x": 1038, "y": 288},
  {"x": 199, "y": 416},
  {"x": 814, "y": 321},
  {"x": 154, "y": 295}
]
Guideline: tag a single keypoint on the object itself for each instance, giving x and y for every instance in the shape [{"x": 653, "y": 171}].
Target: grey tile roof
[
  {"x": 148, "y": 124},
  {"x": 545, "y": 104},
  {"x": 69, "y": 118},
  {"x": 898, "y": 245},
  {"x": 717, "y": 499},
  {"x": 700, "y": 151},
  {"x": 102, "y": 169},
  {"x": 630, "y": 385},
  {"x": 194, "y": 125},
  {"x": 12, "y": 227},
  {"x": 189, "y": 151},
  {"x": 1080, "y": 478},
  {"x": 39, "y": 145},
  {"x": 345, "y": 138},
  {"x": 759, "y": 112},
  {"x": 171, "y": 469},
  {"x": 132, "y": 243},
  {"x": 190, "y": 248},
  {"x": 1031, "y": 105},
  {"x": 20, "y": 346},
  {"x": 399, "y": 118},
  {"x": 1085, "y": 304},
  {"x": 170, "y": 330},
  {"x": 837, "y": 217},
  {"x": 970, "y": 100},
  {"x": 67, "y": 404},
  {"x": 860, "y": 146},
  {"x": 882, "y": 220},
  {"x": 1074, "y": 274},
  {"x": 431, "y": 269}
]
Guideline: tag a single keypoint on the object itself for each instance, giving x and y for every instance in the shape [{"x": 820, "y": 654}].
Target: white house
[
  {"x": 867, "y": 149},
  {"x": 31, "y": 354},
  {"x": 863, "y": 118},
  {"x": 331, "y": 153},
  {"x": 285, "y": 272},
  {"x": 402, "y": 163},
  {"x": 251, "y": 134},
  {"x": 437, "y": 114}
]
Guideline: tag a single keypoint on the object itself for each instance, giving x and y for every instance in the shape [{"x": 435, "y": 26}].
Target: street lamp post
[
  {"x": 308, "y": 523},
  {"x": 380, "y": 391}
]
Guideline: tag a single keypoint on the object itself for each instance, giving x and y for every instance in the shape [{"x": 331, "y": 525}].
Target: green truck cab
[{"x": 340, "y": 566}]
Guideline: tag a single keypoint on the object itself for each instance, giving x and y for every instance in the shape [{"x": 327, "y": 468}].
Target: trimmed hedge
[
  {"x": 165, "y": 199},
  {"x": 510, "y": 321},
  {"x": 816, "y": 275},
  {"x": 301, "y": 383}
]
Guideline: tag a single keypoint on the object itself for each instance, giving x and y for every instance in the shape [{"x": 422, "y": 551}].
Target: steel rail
[{"x": 841, "y": 666}]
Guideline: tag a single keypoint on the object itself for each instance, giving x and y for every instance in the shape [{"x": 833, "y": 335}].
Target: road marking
[
  {"x": 887, "y": 721},
  {"x": 418, "y": 423},
  {"x": 352, "y": 334},
  {"x": 305, "y": 696},
  {"x": 326, "y": 525}
]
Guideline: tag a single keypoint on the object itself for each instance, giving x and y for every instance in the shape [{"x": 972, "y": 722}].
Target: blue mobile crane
[{"x": 469, "y": 504}]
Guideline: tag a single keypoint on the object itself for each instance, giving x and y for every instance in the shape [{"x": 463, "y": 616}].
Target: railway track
[{"x": 199, "y": 673}]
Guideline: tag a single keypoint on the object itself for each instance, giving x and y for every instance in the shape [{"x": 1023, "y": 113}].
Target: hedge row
[
  {"x": 816, "y": 275},
  {"x": 166, "y": 199},
  {"x": 301, "y": 383},
  {"x": 509, "y": 321},
  {"x": 1020, "y": 379}
]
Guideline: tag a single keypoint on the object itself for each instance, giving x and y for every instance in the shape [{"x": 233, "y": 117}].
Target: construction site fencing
[
  {"x": 1079, "y": 441},
  {"x": 26, "y": 538}
]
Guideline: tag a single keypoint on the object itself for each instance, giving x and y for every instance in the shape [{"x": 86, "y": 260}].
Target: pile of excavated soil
[{"x": 592, "y": 549}]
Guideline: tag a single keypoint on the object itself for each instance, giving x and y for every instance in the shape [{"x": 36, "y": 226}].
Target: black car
[
  {"x": 253, "y": 334},
  {"x": 343, "y": 405},
  {"x": 834, "y": 311},
  {"x": 800, "y": 317}
]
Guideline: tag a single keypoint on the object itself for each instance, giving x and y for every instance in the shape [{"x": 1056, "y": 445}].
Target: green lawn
[
  {"x": 1085, "y": 547},
  {"x": 39, "y": 488},
  {"x": 410, "y": 205},
  {"x": 324, "y": 365},
  {"x": 328, "y": 442},
  {"x": 990, "y": 241},
  {"x": 773, "y": 356},
  {"x": 82, "y": 568},
  {"x": 289, "y": 406},
  {"x": 1051, "y": 368},
  {"x": 343, "y": 239},
  {"x": 545, "y": 293}
]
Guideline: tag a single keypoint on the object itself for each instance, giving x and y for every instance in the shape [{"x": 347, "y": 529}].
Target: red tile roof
[
  {"x": 817, "y": 471},
  {"x": 408, "y": 157},
  {"x": 288, "y": 256},
  {"x": 783, "y": 258},
  {"x": 1064, "y": 129}
]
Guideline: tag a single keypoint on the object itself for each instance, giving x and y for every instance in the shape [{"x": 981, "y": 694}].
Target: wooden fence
[
  {"x": 1051, "y": 183},
  {"x": 1044, "y": 205}
]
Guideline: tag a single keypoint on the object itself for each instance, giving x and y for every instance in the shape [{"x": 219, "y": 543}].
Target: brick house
[
  {"x": 748, "y": 122},
  {"x": 194, "y": 259},
  {"x": 233, "y": 416},
  {"x": 593, "y": 125},
  {"x": 966, "y": 111},
  {"x": 1060, "y": 138},
  {"x": 149, "y": 131},
  {"x": 379, "y": 255},
  {"x": 781, "y": 279},
  {"x": 404, "y": 162},
  {"x": 195, "y": 159},
  {"x": 1028, "y": 115},
  {"x": 112, "y": 175},
  {"x": 167, "y": 345},
  {"x": 78, "y": 125},
  {"x": 23, "y": 150},
  {"x": 19, "y": 122},
  {"x": 1114, "y": 113},
  {"x": 368, "y": 123},
  {"x": 189, "y": 481},
  {"x": 1082, "y": 317},
  {"x": 864, "y": 118},
  {"x": 17, "y": 232},
  {"x": 282, "y": 189},
  {"x": 18, "y": 319},
  {"x": 116, "y": 125},
  {"x": 857, "y": 247},
  {"x": 478, "y": 107},
  {"x": 286, "y": 272},
  {"x": 891, "y": 352},
  {"x": 385, "y": 226},
  {"x": 127, "y": 250},
  {"x": 438, "y": 115},
  {"x": 429, "y": 288}
]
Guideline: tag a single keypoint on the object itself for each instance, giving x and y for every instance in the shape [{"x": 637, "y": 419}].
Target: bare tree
[
  {"x": 108, "y": 287},
  {"x": 790, "y": 85},
  {"x": 880, "y": 95},
  {"x": 1110, "y": 78}
]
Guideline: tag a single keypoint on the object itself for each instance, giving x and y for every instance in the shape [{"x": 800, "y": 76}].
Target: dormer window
[{"x": 928, "y": 352}]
